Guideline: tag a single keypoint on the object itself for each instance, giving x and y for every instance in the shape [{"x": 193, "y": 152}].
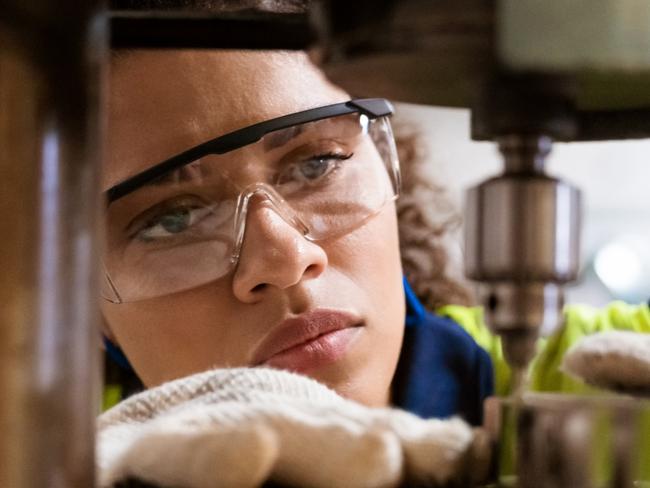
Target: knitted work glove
[
  {"x": 240, "y": 427},
  {"x": 614, "y": 360}
]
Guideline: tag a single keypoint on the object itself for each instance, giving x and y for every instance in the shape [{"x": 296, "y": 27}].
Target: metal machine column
[{"x": 51, "y": 55}]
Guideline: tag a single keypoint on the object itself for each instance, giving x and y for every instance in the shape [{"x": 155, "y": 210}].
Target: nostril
[
  {"x": 258, "y": 288},
  {"x": 312, "y": 270}
]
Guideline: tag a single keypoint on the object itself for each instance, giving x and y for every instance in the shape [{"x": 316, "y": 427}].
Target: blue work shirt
[{"x": 442, "y": 371}]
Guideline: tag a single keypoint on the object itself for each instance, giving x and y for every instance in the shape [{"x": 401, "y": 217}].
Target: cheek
[
  {"x": 370, "y": 258},
  {"x": 373, "y": 250},
  {"x": 176, "y": 335}
]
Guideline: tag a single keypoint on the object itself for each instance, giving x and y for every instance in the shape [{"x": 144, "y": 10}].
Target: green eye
[
  {"x": 175, "y": 221},
  {"x": 172, "y": 222},
  {"x": 183, "y": 220}
]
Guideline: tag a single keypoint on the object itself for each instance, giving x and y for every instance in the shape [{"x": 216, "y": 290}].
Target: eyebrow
[
  {"x": 190, "y": 172},
  {"x": 279, "y": 138},
  {"x": 371, "y": 107}
]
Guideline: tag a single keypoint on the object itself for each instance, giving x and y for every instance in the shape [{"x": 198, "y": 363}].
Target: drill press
[{"x": 532, "y": 73}]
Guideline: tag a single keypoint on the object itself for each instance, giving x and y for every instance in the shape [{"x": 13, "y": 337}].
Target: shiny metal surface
[
  {"x": 519, "y": 312},
  {"x": 50, "y": 57},
  {"x": 522, "y": 244},
  {"x": 524, "y": 228},
  {"x": 553, "y": 441}
]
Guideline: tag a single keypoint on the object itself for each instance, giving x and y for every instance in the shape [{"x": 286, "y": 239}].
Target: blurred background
[{"x": 614, "y": 177}]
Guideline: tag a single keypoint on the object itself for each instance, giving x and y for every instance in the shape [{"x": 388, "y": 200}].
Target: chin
[{"x": 357, "y": 381}]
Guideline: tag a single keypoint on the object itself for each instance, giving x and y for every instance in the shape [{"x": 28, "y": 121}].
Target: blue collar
[{"x": 415, "y": 311}]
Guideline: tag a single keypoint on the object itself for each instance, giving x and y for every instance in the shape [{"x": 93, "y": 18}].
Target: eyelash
[
  {"x": 332, "y": 155},
  {"x": 337, "y": 157},
  {"x": 157, "y": 211}
]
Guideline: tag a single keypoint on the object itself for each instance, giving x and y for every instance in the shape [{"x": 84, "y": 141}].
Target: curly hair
[{"x": 428, "y": 222}]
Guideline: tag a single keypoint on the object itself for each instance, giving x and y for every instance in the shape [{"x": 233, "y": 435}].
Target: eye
[
  {"x": 173, "y": 221},
  {"x": 312, "y": 170},
  {"x": 186, "y": 217}
]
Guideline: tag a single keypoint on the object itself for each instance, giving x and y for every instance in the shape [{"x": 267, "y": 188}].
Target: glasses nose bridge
[{"x": 278, "y": 204}]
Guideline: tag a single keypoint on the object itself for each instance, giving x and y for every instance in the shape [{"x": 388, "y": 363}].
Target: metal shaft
[
  {"x": 51, "y": 55},
  {"x": 522, "y": 230}
]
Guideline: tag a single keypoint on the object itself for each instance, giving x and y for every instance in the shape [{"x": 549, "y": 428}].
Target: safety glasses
[{"x": 181, "y": 223}]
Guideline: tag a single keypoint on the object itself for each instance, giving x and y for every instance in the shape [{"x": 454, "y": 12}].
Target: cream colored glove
[
  {"x": 240, "y": 427},
  {"x": 615, "y": 360}
]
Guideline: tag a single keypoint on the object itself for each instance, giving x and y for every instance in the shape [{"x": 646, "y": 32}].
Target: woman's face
[{"x": 284, "y": 287}]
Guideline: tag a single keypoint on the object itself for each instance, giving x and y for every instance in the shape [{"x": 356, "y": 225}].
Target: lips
[{"x": 309, "y": 341}]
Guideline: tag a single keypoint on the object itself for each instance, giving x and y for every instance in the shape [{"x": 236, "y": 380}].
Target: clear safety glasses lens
[{"x": 186, "y": 228}]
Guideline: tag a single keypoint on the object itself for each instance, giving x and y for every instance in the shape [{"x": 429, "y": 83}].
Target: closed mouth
[{"x": 309, "y": 340}]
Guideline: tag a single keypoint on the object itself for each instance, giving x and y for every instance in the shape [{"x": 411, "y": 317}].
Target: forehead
[{"x": 163, "y": 102}]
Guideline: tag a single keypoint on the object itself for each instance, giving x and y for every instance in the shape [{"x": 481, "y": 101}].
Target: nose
[{"x": 274, "y": 254}]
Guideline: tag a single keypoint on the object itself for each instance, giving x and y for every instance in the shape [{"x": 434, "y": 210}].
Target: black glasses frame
[{"x": 373, "y": 108}]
